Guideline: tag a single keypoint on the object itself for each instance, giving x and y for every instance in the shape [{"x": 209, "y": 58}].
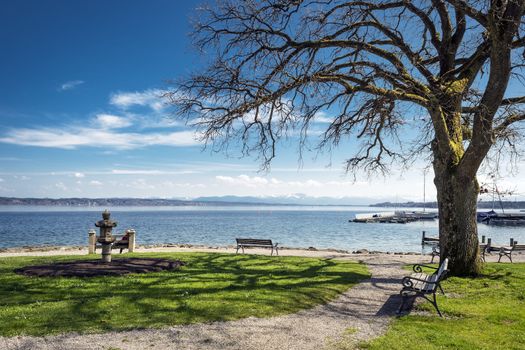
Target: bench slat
[{"x": 261, "y": 242}]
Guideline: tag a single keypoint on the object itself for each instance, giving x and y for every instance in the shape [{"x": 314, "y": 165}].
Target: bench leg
[
  {"x": 271, "y": 254},
  {"x": 441, "y": 289},
  {"x": 402, "y": 306},
  {"x": 404, "y": 297},
  {"x": 121, "y": 249},
  {"x": 432, "y": 260},
  {"x": 436, "y": 304},
  {"x": 237, "y": 251},
  {"x": 276, "y": 251}
]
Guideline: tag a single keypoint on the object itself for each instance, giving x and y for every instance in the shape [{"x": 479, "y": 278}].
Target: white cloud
[
  {"x": 74, "y": 137},
  {"x": 1, "y": 180},
  {"x": 307, "y": 183},
  {"x": 246, "y": 181},
  {"x": 61, "y": 186},
  {"x": 283, "y": 187},
  {"x": 102, "y": 131},
  {"x": 79, "y": 175},
  {"x": 95, "y": 183},
  {"x": 151, "y": 98},
  {"x": 136, "y": 172},
  {"x": 322, "y": 117},
  {"x": 141, "y": 184},
  {"x": 110, "y": 121},
  {"x": 70, "y": 85},
  {"x": 184, "y": 185}
]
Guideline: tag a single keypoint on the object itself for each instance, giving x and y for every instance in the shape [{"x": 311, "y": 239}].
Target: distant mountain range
[
  {"x": 294, "y": 199},
  {"x": 481, "y": 205}
]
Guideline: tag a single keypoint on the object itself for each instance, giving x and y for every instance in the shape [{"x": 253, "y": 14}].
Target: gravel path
[{"x": 361, "y": 313}]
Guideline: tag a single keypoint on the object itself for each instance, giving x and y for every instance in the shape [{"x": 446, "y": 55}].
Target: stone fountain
[{"x": 105, "y": 238}]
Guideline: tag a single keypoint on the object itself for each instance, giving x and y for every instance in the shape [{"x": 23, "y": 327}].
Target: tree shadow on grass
[{"x": 212, "y": 287}]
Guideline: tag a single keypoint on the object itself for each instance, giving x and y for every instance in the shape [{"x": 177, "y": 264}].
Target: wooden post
[
  {"x": 131, "y": 240},
  {"x": 482, "y": 239},
  {"x": 423, "y": 238},
  {"x": 489, "y": 241},
  {"x": 92, "y": 240}
]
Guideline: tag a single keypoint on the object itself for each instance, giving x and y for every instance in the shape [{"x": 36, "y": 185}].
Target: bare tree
[{"x": 276, "y": 65}]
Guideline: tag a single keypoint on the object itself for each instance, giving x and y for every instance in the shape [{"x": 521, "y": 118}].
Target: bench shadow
[{"x": 391, "y": 306}]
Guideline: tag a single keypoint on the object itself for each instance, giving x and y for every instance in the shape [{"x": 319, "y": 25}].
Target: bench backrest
[
  {"x": 442, "y": 270},
  {"x": 254, "y": 241},
  {"x": 518, "y": 247}
]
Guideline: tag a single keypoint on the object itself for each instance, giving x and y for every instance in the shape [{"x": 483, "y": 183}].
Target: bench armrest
[{"x": 419, "y": 267}]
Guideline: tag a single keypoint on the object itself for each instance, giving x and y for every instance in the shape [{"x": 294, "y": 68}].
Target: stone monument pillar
[{"x": 105, "y": 238}]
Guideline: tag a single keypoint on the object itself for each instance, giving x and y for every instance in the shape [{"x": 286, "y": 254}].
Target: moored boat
[
  {"x": 416, "y": 215},
  {"x": 504, "y": 219}
]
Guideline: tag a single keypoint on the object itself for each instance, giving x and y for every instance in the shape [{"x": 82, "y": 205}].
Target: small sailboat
[
  {"x": 419, "y": 215},
  {"x": 494, "y": 218}
]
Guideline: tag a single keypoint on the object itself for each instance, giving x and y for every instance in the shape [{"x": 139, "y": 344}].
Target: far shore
[{"x": 411, "y": 257}]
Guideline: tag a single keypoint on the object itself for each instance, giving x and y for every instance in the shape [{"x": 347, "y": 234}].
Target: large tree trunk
[{"x": 458, "y": 233}]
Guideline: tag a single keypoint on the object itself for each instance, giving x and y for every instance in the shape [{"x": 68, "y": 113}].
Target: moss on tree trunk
[{"x": 457, "y": 202}]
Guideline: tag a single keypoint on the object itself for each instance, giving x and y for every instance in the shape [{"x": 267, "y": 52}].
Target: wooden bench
[
  {"x": 503, "y": 250},
  {"x": 119, "y": 243},
  {"x": 508, "y": 252},
  {"x": 258, "y": 243},
  {"x": 433, "y": 242},
  {"x": 420, "y": 284}
]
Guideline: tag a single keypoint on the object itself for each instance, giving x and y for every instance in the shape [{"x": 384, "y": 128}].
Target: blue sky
[{"x": 80, "y": 113}]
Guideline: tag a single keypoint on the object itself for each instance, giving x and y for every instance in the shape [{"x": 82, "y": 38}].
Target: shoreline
[
  {"x": 411, "y": 257},
  {"x": 170, "y": 246}
]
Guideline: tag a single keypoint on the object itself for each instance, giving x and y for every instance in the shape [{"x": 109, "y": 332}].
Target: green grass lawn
[
  {"x": 480, "y": 313},
  {"x": 211, "y": 287}
]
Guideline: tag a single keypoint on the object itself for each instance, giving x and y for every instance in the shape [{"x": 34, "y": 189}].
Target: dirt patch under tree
[{"x": 93, "y": 268}]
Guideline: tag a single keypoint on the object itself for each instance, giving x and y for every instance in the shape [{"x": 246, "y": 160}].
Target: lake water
[{"x": 320, "y": 227}]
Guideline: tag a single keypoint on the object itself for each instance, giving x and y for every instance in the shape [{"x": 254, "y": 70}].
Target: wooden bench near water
[
  {"x": 420, "y": 284},
  {"x": 256, "y": 243},
  {"x": 503, "y": 250},
  {"x": 126, "y": 241}
]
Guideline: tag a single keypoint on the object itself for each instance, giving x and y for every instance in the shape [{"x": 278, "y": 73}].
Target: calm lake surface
[{"x": 320, "y": 227}]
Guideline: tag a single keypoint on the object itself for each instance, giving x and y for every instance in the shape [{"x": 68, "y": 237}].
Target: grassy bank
[
  {"x": 212, "y": 287},
  {"x": 480, "y": 313}
]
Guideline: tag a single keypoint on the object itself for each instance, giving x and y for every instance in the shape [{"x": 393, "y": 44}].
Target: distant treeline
[
  {"x": 482, "y": 205},
  {"x": 107, "y": 202}
]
